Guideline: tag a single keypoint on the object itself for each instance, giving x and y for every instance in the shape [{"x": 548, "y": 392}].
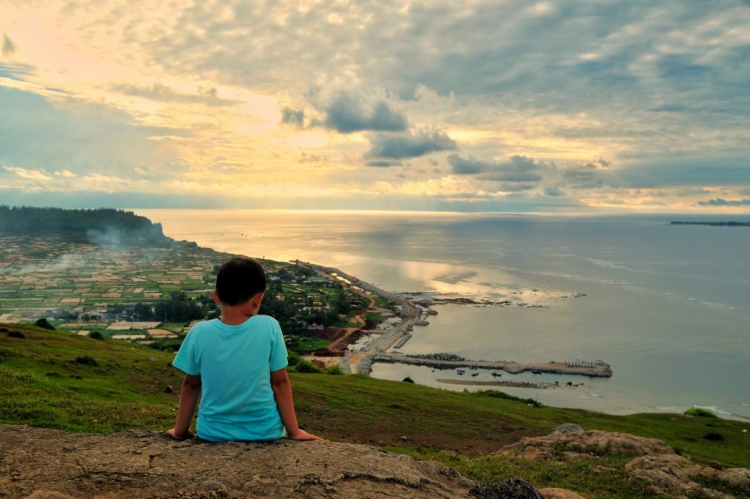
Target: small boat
[
  {"x": 475, "y": 374},
  {"x": 497, "y": 375},
  {"x": 460, "y": 371}
]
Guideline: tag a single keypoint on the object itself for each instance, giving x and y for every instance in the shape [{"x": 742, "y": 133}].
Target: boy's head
[{"x": 240, "y": 279}]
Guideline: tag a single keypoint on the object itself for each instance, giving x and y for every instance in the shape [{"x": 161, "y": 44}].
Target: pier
[{"x": 597, "y": 369}]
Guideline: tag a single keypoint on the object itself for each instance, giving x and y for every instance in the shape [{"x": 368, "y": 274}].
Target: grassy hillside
[{"x": 48, "y": 379}]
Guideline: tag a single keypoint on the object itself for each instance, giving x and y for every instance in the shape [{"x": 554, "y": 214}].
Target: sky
[{"x": 575, "y": 106}]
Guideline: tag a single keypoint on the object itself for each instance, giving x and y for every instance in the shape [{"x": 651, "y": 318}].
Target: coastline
[{"x": 413, "y": 314}]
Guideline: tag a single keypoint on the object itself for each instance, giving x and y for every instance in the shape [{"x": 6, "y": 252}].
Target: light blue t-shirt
[{"x": 235, "y": 365}]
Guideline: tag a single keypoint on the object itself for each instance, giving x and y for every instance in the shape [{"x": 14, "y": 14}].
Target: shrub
[
  {"x": 502, "y": 395},
  {"x": 44, "y": 323},
  {"x": 294, "y": 359},
  {"x": 86, "y": 361},
  {"x": 305, "y": 366},
  {"x": 701, "y": 413},
  {"x": 335, "y": 370},
  {"x": 96, "y": 335},
  {"x": 407, "y": 380}
]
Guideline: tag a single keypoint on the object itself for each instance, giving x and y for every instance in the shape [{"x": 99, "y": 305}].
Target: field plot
[{"x": 55, "y": 275}]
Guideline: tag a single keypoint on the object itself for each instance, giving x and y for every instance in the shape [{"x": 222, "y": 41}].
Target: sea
[{"x": 667, "y": 306}]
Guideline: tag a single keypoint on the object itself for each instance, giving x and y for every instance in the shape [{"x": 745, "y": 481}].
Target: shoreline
[{"x": 416, "y": 314}]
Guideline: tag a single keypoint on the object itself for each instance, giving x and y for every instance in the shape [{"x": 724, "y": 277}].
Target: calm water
[{"x": 667, "y": 306}]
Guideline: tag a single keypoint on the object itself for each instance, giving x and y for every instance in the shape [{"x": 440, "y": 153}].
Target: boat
[
  {"x": 497, "y": 375},
  {"x": 460, "y": 371},
  {"x": 475, "y": 374}
]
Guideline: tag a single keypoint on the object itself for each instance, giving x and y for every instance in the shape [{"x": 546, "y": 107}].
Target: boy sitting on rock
[{"x": 238, "y": 363}]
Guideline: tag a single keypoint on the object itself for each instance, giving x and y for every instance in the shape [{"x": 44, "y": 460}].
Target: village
[{"x": 153, "y": 294}]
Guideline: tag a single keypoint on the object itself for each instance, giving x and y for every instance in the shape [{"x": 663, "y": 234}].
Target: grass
[
  {"x": 589, "y": 476},
  {"x": 41, "y": 384},
  {"x": 308, "y": 343},
  {"x": 381, "y": 302},
  {"x": 701, "y": 413},
  {"x": 374, "y": 317}
]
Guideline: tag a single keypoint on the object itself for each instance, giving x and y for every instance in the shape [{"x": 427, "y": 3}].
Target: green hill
[{"x": 57, "y": 380}]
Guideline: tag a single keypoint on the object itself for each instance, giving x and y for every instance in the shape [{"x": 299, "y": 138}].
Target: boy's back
[{"x": 235, "y": 365}]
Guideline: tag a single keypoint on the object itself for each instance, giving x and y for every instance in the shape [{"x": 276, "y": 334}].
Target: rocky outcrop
[
  {"x": 555, "y": 493},
  {"x": 149, "y": 464},
  {"x": 49, "y": 464},
  {"x": 591, "y": 442},
  {"x": 654, "y": 461}
]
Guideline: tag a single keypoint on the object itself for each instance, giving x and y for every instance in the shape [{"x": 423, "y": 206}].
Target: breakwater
[{"x": 596, "y": 369}]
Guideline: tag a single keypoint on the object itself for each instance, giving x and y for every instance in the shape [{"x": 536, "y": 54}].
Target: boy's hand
[
  {"x": 303, "y": 435},
  {"x": 180, "y": 436}
]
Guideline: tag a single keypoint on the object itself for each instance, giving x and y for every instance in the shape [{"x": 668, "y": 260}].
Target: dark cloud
[
  {"x": 383, "y": 163},
  {"x": 691, "y": 191},
  {"x": 9, "y": 48},
  {"x": 513, "y": 187},
  {"x": 293, "y": 116},
  {"x": 585, "y": 176},
  {"x": 350, "y": 112},
  {"x": 159, "y": 92},
  {"x": 418, "y": 143},
  {"x": 16, "y": 71},
  {"x": 515, "y": 169},
  {"x": 725, "y": 202}
]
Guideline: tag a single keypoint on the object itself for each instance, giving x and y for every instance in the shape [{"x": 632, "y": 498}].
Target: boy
[{"x": 238, "y": 363}]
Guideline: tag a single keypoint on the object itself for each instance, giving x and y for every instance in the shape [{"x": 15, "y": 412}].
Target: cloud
[
  {"x": 349, "y": 112},
  {"x": 16, "y": 71},
  {"x": 293, "y": 116},
  {"x": 159, "y": 92},
  {"x": 9, "y": 48},
  {"x": 554, "y": 191},
  {"x": 515, "y": 169},
  {"x": 725, "y": 202},
  {"x": 383, "y": 163},
  {"x": 28, "y": 174},
  {"x": 417, "y": 143},
  {"x": 587, "y": 175}
]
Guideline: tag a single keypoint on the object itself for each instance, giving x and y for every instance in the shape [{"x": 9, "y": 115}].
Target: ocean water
[{"x": 668, "y": 307}]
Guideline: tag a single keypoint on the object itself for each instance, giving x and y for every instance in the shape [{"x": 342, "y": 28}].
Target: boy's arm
[
  {"x": 191, "y": 390},
  {"x": 282, "y": 391}
]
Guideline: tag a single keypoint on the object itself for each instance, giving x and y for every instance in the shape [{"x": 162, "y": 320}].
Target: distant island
[{"x": 713, "y": 224}]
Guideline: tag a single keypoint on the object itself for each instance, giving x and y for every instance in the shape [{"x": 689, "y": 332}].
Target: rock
[
  {"x": 570, "y": 428},
  {"x": 554, "y": 493},
  {"x": 46, "y": 494},
  {"x": 739, "y": 477},
  {"x": 591, "y": 442},
  {"x": 664, "y": 472},
  {"x": 512, "y": 488},
  {"x": 214, "y": 487},
  {"x": 17, "y": 334},
  {"x": 41, "y": 461},
  {"x": 671, "y": 474}
]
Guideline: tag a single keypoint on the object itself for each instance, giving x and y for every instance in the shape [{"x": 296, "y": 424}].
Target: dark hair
[{"x": 240, "y": 279}]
